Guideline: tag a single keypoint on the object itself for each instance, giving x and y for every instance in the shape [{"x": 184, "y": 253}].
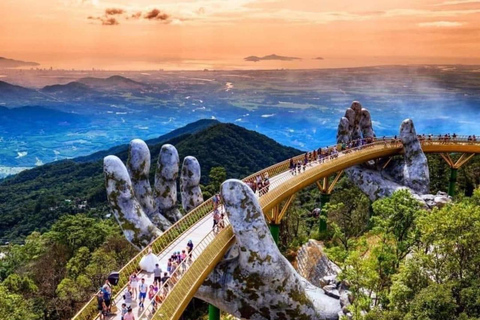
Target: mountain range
[
  {"x": 34, "y": 199},
  {"x": 299, "y": 108}
]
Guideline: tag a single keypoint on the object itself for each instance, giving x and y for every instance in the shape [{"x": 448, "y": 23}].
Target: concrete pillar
[
  {"x": 213, "y": 312},
  {"x": 275, "y": 230},
  {"x": 324, "y": 199},
  {"x": 452, "y": 182}
]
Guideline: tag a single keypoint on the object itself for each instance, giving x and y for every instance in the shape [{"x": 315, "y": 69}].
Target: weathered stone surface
[
  {"x": 190, "y": 184},
  {"x": 331, "y": 291},
  {"x": 141, "y": 212},
  {"x": 356, "y": 124},
  {"x": 343, "y": 132},
  {"x": 415, "y": 169},
  {"x": 138, "y": 165},
  {"x": 166, "y": 182},
  {"x": 409, "y": 173},
  {"x": 255, "y": 281},
  {"x": 312, "y": 264},
  {"x": 136, "y": 226}
]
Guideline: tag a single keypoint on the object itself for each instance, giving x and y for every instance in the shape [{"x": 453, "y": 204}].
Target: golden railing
[
  {"x": 89, "y": 311},
  {"x": 168, "y": 238},
  {"x": 181, "y": 294},
  {"x": 379, "y": 148},
  {"x": 165, "y": 289}
]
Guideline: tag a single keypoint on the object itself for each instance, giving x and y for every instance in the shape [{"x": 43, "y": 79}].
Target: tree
[
  {"x": 75, "y": 231},
  {"x": 452, "y": 236},
  {"x": 77, "y": 264},
  {"x": 216, "y": 177},
  {"x": 435, "y": 302},
  {"x": 394, "y": 218},
  {"x": 348, "y": 213},
  {"x": 15, "y": 307}
]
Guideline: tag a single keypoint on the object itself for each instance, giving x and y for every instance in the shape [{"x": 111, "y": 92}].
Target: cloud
[
  {"x": 267, "y": 115},
  {"x": 156, "y": 14},
  {"x": 113, "y": 11},
  {"x": 450, "y": 3},
  {"x": 441, "y": 24},
  {"x": 109, "y": 22},
  {"x": 106, "y": 21},
  {"x": 136, "y": 15}
]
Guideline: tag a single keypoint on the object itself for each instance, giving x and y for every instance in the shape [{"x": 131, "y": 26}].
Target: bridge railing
[
  {"x": 166, "y": 288},
  {"x": 184, "y": 290},
  {"x": 89, "y": 311}
]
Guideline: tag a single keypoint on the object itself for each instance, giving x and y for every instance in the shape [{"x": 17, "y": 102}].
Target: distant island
[
  {"x": 318, "y": 58},
  {"x": 271, "y": 57},
  {"x": 6, "y": 63}
]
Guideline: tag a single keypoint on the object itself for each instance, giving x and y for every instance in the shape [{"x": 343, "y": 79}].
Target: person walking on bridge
[
  {"x": 102, "y": 307},
  {"x": 134, "y": 285},
  {"x": 157, "y": 273},
  {"x": 129, "y": 315},
  {"x": 142, "y": 289}
]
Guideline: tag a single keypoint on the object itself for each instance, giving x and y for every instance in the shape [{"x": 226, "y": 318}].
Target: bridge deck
[
  {"x": 196, "y": 233},
  {"x": 280, "y": 176}
]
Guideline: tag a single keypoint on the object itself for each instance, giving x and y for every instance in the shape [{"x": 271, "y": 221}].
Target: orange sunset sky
[{"x": 196, "y": 34}]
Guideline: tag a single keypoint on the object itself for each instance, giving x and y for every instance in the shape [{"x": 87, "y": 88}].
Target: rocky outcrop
[
  {"x": 255, "y": 281},
  {"x": 312, "y": 264}
]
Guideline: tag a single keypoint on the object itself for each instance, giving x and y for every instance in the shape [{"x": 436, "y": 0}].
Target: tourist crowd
[{"x": 138, "y": 290}]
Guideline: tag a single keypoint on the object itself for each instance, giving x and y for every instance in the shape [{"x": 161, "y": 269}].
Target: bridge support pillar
[
  {"x": 452, "y": 182},
  {"x": 324, "y": 199},
  {"x": 213, "y": 312},
  {"x": 454, "y": 166},
  {"x": 275, "y": 230}
]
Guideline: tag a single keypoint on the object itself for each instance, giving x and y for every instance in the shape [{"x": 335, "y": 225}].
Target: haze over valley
[{"x": 49, "y": 115}]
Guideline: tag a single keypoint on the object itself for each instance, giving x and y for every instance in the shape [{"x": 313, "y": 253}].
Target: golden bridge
[{"x": 210, "y": 248}]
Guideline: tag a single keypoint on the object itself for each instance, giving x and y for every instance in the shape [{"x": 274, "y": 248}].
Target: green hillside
[{"x": 33, "y": 200}]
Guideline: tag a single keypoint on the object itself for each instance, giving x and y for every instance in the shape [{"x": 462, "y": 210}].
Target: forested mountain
[{"x": 34, "y": 199}]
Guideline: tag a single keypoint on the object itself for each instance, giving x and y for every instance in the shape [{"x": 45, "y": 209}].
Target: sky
[{"x": 219, "y": 34}]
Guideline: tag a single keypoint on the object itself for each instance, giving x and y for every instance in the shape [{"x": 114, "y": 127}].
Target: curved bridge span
[{"x": 210, "y": 248}]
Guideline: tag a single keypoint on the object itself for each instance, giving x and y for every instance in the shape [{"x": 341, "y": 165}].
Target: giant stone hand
[
  {"x": 411, "y": 172},
  {"x": 255, "y": 281},
  {"x": 142, "y": 212}
]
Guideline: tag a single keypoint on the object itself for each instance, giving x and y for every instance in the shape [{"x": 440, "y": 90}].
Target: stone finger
[
  {"x": 136, "y": 226},
  {"x": 366, "y": 124},
  {"x": 166, "y": 182},
  {"x": 138, "y": 165},
  {"x": 248, "y": 223},
  {"x": 415, "y": 171},
  {"x": 190, "y": 184}
]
